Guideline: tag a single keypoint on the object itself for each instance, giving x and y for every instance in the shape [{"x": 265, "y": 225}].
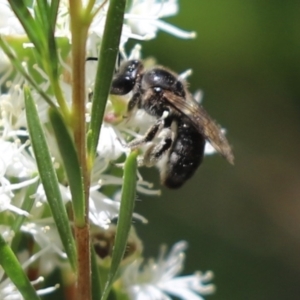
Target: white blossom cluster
[{"x": 18, "y": 168}]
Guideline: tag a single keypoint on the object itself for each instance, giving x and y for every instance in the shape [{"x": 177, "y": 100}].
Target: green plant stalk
[
  {"x": 90, "y": 6},
  {"x": 79, "y": 29},
  {"x": 80, "y": 22},
  {"x": 60, "y": 97}
]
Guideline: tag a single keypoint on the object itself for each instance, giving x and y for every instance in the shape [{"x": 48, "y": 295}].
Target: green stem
[
  {"x": 79, "y": 29},
  {"x": 60, "y": 97},
  {"x": 80, "y": 22}
]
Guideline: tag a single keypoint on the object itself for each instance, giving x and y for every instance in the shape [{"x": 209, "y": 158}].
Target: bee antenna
[{"x": 91, "y": 59}]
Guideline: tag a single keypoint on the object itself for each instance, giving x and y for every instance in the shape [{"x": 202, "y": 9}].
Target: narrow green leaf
[
  {"x": 53, "y": 55},
  {"x": 14, "y": 271},
  {"x": 42, "y": 14},
  {"x": 19, "y": 67},
  {"x": 124, "y": 220},
  {"x": 48, "y": 177},
  {"x": 107, "y": 59},
  {"x": 52, "y": 60},
  {"x": 53, "y": 12},
  {"x": 33, "y": 30},
  {"x": 50, "y": 57},
  {"x": 71, "y": 164}
]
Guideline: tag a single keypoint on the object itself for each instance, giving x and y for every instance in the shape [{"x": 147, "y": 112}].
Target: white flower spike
[{"x": 157, "y": 280}]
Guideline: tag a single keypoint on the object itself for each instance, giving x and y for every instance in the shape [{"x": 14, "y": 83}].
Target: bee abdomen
[{"x": 185, "y": 156}]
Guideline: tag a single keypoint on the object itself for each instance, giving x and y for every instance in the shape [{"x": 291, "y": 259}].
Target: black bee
[{"x": 182, "y": 124}]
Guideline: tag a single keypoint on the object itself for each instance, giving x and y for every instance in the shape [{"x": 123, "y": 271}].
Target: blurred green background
[{"x": 242, "y": 222}]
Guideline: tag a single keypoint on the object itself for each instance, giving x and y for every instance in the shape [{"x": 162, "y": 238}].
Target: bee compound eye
[
  {"x": 122, "y": 85},
  {"x": 125, "y": 79}
]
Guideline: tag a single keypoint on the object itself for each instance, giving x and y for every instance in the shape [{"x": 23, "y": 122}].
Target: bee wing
[{"x": 203, "y": 122}]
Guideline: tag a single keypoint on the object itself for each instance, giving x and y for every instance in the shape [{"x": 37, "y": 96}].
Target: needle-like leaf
[
  {"x": 124, "y": 221},
  {"x": 48, "y": 177}
]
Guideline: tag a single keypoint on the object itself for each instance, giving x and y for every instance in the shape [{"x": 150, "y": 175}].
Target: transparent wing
[{"x": 202, "y": 121}]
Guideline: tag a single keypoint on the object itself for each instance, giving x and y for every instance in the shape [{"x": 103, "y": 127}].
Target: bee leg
[
  {"x": 133, "y": 104},
  {"x": 134, "y": 101},
  {"x": 148, "y": 137},
  {"x": 155, "y": 152}
]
